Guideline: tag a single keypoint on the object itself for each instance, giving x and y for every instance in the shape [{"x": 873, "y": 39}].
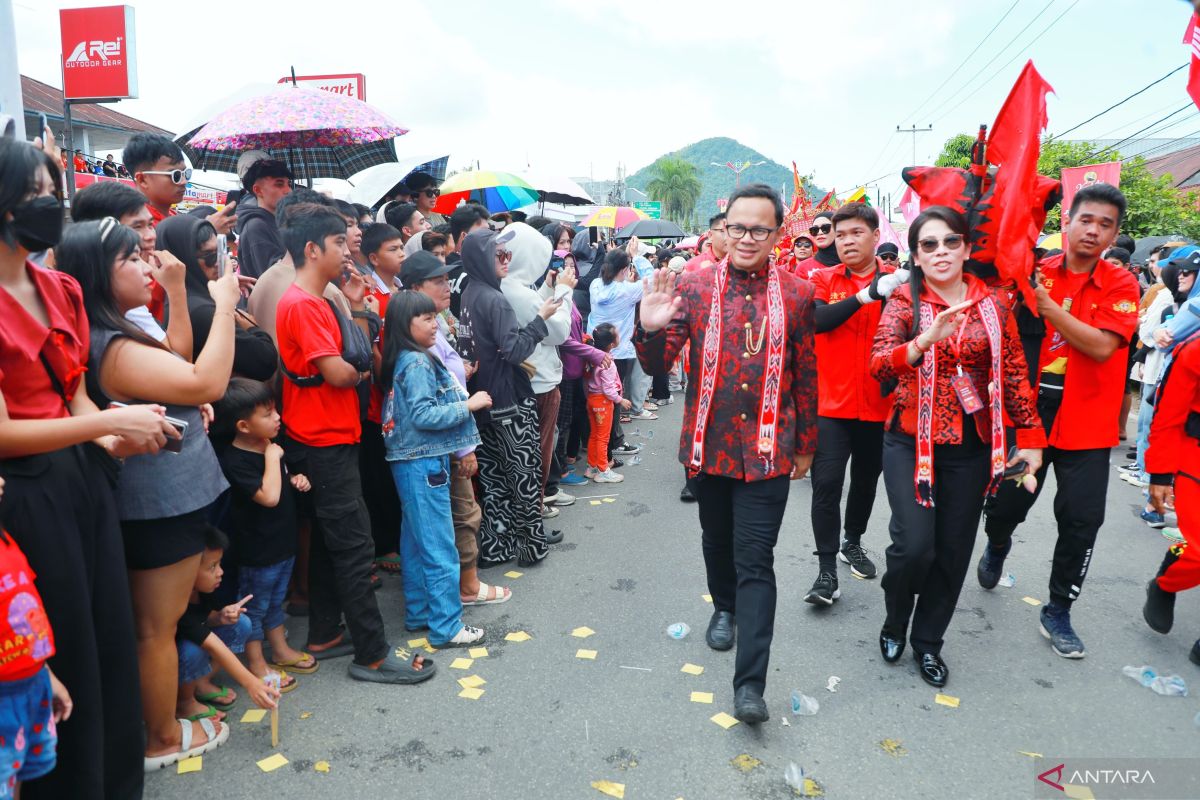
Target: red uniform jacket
[
  {"x": 731, "y": 440},
  {"x": 1172, "y": 451}
]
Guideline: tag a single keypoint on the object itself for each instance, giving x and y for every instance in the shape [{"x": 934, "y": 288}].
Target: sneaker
[
  {"x": 608, "y": 476},
  {"x": 591, "y": 472},
  {"x": 549, "y": 512},
  {"x": 1159, "y": 609},
  {"x": 990, "y": 565},
  {"x": 824, "y": 590},
  {"x": 1055, "y": 625},
  {"x": 666, "y": 401},
  {"x": 856, "y": 556},
  {"x": 1134, "y": 479},
  {"x": 1132, "y": 466},
  {"x": 627, "y": 449},
  {"x": 616, "y": 463},
  {"x": 560, "y": 498},
  {"x": 645, "y": 414},
  {"x": 1172, "y": 535},
  {"x": 1153, "y": 518},
  {"x": 573, "y": 479},
  {"x": 465, "y": 637}
]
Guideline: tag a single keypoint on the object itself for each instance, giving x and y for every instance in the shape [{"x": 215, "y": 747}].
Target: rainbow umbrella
[
  {"x": 498, "y": 191},
  {"x": 613, "y": 217}
]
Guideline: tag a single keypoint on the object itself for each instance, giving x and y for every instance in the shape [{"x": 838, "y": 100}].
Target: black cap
[
  {"x": 421, "y": 266},
  {"x": 887, "y": 247},
  {"x": 266, "y": 168}
]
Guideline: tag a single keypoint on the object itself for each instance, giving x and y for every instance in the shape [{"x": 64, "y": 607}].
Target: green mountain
[{"x": 719, "y": 181}]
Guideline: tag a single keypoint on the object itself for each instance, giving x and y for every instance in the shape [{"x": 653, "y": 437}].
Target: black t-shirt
[
  {"x": 193, "y": 625},
  {"x": 259, "y": 536}
]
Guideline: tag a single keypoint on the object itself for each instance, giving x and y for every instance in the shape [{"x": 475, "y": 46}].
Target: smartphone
[
  {"x": 180, "y": 426},
  {"x": 593, "y": 236},
  {"x": 1017, "y": 468},
  {"x": 222, "y": 255},
  {"x": 45, "y": 125}
]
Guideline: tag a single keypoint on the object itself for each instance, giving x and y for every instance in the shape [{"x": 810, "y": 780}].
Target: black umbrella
[
  {"x": 1148, "y": 243},
  {"x": 651, "y": 229}
]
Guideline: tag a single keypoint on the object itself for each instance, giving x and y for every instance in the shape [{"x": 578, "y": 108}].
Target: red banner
[
  {"x": 99, "y": 59},
  {"x": 1075, "y": 178}
]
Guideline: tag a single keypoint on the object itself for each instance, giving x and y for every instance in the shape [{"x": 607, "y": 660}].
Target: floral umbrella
[{"x": 319, "y": 134}]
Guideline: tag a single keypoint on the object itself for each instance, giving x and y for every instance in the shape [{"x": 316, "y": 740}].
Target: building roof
[
  {"x": 43, "y": 98},
  {"x": 1182, "y": 165}
]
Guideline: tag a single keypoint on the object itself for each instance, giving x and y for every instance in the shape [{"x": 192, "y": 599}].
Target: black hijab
[
  {"x": 827, "y": 256},
  {"x": 180, "y": 236}
]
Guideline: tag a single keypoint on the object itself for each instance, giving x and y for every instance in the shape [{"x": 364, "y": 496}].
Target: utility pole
[{"x": 914, "y": 130}]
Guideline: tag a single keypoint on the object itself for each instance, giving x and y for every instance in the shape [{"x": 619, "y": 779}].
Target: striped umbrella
[
  {"x": 497, "y": 191},
  {"x": 613, "y": 217}
]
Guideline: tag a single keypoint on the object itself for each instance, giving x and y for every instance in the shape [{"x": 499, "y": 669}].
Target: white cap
[{"x": 247, "y": 159}]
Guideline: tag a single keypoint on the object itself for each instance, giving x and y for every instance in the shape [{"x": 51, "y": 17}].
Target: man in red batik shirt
[{"x": 749, "y": 418}]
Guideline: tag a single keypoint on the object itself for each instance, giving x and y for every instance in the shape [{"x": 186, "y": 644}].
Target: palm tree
[{"x": 676, "y": 184}]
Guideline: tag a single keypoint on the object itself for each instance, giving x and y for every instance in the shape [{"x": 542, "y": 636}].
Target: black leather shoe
[
  {"x": 1195, "y": 654},
  {"x": 991, "y": 563},
  {"x": 890, "y": 647},
  {"x": 721, "y": 631},
  {"x": 1159, "y": 609},
  {"x": 933, "y": 670},
  {"x": 749, "y": 706},
  {"x": 554, "y": 537},
  {"x": 686, "y": 496}
]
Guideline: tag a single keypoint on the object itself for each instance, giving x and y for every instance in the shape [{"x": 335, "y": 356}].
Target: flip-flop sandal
[
  {"x": 502, "y": 595},
  {"x": 209, "y": 712},
  {"x": 286, "y": 682},
  {"x": 214, "y": 740},
  {"x": 389, "y": 563},
  {"x": 294, "y": 665},
  {"x": 223, "y": 699},
  {"x": 397, "y": 667}
]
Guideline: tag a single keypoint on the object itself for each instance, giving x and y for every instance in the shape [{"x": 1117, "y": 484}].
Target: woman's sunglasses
[
  {"x": 817, "y": 230},
  {"x": 504, "y": 256},
  {"x": 207, "y": 257},
  {"x": 952, "y": 242}
]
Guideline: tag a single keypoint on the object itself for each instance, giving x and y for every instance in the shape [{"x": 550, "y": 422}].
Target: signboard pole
[
  {"x": 69, "y": 147},
  {"x": 11, "y": 102}
]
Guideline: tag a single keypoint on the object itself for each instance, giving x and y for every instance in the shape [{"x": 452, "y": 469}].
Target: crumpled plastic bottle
[
  {"x": 678, "y": 630},
  {"x": 1166, "y": 685},
  {"x": 803, "y": 705}
]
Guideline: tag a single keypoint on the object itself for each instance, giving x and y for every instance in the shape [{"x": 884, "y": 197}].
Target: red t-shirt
[
  {"x": 26, "y": 640},
  {"x": 318, "y": 416},
  {"x": 1063, "y": 290},
  {"x": 375, "y": 402},
  {"x": 27, "y": 388}
]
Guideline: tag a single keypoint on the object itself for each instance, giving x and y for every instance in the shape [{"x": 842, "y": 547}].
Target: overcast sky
[{"x": 577, "y": 88}]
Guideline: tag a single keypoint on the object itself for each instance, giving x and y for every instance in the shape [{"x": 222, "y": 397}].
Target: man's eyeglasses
[
  {"x": 178, "y": 176},
  {"x": 891, "y": 257},
  {"x": 431, "y": 193},
  {"x": 207, "y": 257},
  {"x": 817, "y": 230},
  {"x": 503, "y": 256},
  {"x": 952, "y": 242},
  {"x": 757, "y": 233}
]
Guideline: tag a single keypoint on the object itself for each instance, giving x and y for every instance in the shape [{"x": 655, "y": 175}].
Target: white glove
[
  {"x": 888, "y": 283},
  {"x": 865, "y": 295}
]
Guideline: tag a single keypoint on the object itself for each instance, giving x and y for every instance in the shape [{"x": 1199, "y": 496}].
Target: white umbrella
[
  {"x": 556, "y": 188},
  {"x": 371, "y": 185}
]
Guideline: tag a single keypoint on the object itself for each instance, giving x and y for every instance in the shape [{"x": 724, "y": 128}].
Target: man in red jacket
[
  {"x": 852, "y": 405},
  {"x": 749, "y": 418},
  {"x": 1174, "y": 458}
]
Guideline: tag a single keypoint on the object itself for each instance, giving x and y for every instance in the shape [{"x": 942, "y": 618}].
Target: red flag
[
  {"x": 1014, "y": 144},
  {"x": 1193, "y": 39}
]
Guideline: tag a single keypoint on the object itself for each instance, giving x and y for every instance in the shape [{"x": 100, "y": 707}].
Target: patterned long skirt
[{"x": 510, "y": 472}]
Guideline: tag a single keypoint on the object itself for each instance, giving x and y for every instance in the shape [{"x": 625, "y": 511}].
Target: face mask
[{"x": 38, "y": 223}]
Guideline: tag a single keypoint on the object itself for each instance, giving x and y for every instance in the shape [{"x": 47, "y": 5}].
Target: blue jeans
[
  {"x": 269, "y": 586},
  {"x": 194, "y": 662},
  {"x": 430, "y": 559},
  {"x": 1145, "y": 416}
]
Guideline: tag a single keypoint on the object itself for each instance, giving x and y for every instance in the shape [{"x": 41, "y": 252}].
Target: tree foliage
[
  {"x": 676, "y": 184},
  {"x": 1156, "y": 208}
]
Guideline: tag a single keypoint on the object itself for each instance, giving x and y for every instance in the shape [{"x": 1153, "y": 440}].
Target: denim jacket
[{"x": 425, "y": 412}]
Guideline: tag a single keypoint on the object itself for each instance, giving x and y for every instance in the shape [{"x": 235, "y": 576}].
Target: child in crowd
[
  {"x": 32, "y": 700},
  {"x": 427, "y": 416},
  {"x": 603, "y": 392},
  {"x": 262, "y": 522},
  {"x": 206, "y": 633}
]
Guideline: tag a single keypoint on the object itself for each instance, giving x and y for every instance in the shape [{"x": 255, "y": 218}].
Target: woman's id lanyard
[{"x": 962, "y": 384}]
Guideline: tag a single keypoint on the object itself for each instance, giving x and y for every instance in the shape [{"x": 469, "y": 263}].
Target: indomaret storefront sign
[
  {"x": 99, "y": 56},
  {"x": 349, "y": 84}
]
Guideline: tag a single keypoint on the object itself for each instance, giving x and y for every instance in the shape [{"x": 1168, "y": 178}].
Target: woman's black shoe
[
  {"x": 890, "y": 647},
  {"x": 933, "y": 670}
]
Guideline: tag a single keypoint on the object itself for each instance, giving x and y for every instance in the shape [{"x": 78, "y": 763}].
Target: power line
[
  {"x": 1135, "y": 121},
  {"x": 1143, "y": 130},
  {"x": 1018, "y": 54},
  {"x": 954, "y": 72},
  {"x": 1171, "y": 143},
  {"x": 1117, "y": 105}
]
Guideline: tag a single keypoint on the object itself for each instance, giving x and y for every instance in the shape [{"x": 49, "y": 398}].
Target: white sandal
[
  {"x": 212, "y": 742},
  {"x": 503, "y": 595}
]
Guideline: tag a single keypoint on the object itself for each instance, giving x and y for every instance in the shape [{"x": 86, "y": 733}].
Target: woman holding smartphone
[
  {"x": 162, "y": 499},
  {"x": 957, "y": 360}
]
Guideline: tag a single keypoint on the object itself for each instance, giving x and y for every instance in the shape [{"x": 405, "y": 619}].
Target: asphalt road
[{"x": 549, "y": 724}]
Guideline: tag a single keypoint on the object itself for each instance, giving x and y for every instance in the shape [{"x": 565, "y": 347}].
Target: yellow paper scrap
[
  {"x": 946, "y": 700},
  {"x": 1031, "y": 755},
  {"x": 609, "y": 788},
  {"x": 1078, "y": 792},
  {"x": 471, "y": 694},
  {"x": 193, "y": 764},
  {"x": 588, "y": 654},
  {"x": 812, "y": 788},
  {"x": 692, "y": 669},
  {"x": 706, "y": 598},
  {"x": 477, "y": 652},
  {"x": 1033, "y": 601},
  {"x": 254, "y": 715},
  {"x": 512, "y": 573},
  {"x": 422, "y": 642},
  {"x": 272, "y": 763},
  {"x": 321, "y": 766},
  {"x": 702, "y": 697},
  {"x": 745, "y": 762},
  {"x": 305, "y": 714},
  {"x": 462, "y": 663},
  {"x": 429, "y": 649},
  {"x": 609, "y": 500},
  {"x": 893, "y": 747},
  {"x": 724, "y": 720},
  {"x": 518, "y": 636},
  {"x": 582, "y": 632},
  {"x": 471, "y": 682},
  {"x": 594, "y": 502}
]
